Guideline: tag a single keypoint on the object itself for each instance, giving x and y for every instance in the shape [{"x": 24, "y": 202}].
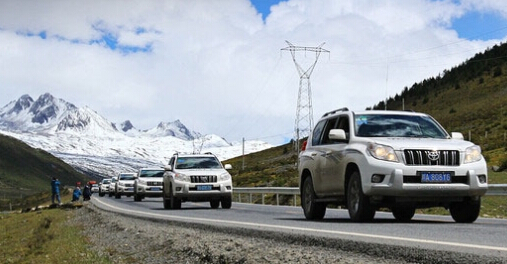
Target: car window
[
  {"x": 390, "y": 125},
  {"x": 198, "y": 163},
  {"x": 151, "y": 173},
  {"x": 126, "y": 177},
  {"x": 317, "y": 132}
]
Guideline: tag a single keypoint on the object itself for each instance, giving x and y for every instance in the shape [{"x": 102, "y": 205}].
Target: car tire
[
  {"x": 175, "y": 202},
  {"x": 214, "y": 204},
  {"x": 226, "y": 202},
  {"x": 403, "y": 213},
  {"x": 358, "y": 204},
  {"x": 137, "y": 197},
  {"x": 117, "y": 195},
  {"x": 465, "y": 212},
  {"x": 312, "y": 209},
  {"x": 166, "y": 200},
  {"x": 101, "y": 194}
]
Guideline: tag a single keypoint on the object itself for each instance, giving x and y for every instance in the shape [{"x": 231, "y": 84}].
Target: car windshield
[
  {"x": 106, "y": 181},
  {"x": 393, "y": 125},
  {"x": 126, "y": 177},
  {"x": 151, "y": 173},
  {"x": 198, "y": 163}
]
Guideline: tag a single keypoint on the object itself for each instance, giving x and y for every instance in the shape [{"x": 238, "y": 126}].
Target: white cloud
[{"x": 217, "y": 67}]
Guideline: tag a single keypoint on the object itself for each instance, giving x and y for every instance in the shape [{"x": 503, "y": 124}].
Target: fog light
[
  {"x": 178, "y": 189},
  {"x": 482, "y": 178},
  {"x": 377, "y": 178}
]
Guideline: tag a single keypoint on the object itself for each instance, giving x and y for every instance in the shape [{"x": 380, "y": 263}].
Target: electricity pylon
[{"x": 304, "y": 112}]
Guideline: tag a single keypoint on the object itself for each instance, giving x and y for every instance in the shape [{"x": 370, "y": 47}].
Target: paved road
[{"x": 486, "y": 237}]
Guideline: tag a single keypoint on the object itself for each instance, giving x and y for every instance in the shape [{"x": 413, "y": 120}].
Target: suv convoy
[
  {"x": 398, "y": 160},
  {"x": 104, "y": 187},
  {"x": 197, "y": 178},
  {"x": 148, "y": 183},
  {"x": 124, "y": 185}
]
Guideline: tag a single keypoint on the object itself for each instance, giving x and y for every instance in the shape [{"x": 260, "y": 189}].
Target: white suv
[
  {"x": 398, "y": 160},
  {"x": 197, "y": 178},
  {"x": 112, "y": 185},
  {"x": 124, "y": 185},
  {"x": 148, "y": 183},
  {"x": 104, "y": 187}
]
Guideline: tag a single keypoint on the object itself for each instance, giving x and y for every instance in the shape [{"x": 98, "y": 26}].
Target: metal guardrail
[{"x": 493, "y": 190}]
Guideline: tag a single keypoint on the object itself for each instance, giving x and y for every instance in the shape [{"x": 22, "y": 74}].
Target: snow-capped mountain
[{"x": 92, "y": 144}]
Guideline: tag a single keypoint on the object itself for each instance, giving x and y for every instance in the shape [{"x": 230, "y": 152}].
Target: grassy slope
[{"x": 26, "y": 171}]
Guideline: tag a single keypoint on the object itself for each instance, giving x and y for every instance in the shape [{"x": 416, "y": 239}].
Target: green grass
[{"x": 44, "y": 236}]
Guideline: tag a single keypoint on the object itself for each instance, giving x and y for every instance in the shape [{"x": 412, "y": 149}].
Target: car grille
[
  {"x": 419, "y": 157},
  {"x": 129, "y": 185},
  {"x": 203, "y": 179},
  {"x": 154, "y": 183}
]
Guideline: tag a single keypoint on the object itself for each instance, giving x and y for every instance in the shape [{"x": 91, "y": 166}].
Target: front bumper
[
  {"x": 399, "y": 180},
  {"x": 202, "y": 192}
]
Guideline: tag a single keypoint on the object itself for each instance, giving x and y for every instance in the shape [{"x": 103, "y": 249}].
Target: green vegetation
[
  {"x": 470, "y": 98},
  {"x": 25, "y": 174}
]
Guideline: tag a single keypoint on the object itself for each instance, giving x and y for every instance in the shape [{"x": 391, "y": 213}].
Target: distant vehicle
[
  {"x": 95, "y": 188},
  {"x": 398, "y": 160},
  {"x": 197, "y": 178},
  {"x": 148, "y": 183},
  {"x": 124, "y": 185},
  {"x": 112, "y": 186},
  {"x": 104, "y": 187}
]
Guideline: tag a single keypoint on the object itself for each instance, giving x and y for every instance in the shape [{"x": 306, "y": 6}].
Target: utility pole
[{"x": 304, "y": 112}]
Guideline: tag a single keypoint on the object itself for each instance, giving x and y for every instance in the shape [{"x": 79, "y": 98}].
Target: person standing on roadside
[{"x": 55, "y": 189}]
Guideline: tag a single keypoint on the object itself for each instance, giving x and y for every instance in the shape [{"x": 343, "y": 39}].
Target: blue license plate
[
  {"x": 155, "y": 188},
  {"x": 435, "y": 177},
  {"x": 204, "y": 187}
]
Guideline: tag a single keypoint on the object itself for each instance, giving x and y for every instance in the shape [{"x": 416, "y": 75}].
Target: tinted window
[
  {"x": 317, "y": 132},
  {"x": 198, "y": 163},
  {"x": 151, "y": 173}
]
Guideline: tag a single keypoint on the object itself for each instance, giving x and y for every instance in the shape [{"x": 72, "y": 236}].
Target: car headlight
[
  {"x": 121, "y": 183},
  {"x": 142, "y": 182},
  {"x": 473, "y": 154},
  {"x": 224, "y": 176},
  {"x": 382, "y": 152},
  {"x": 182, "y": 177}
]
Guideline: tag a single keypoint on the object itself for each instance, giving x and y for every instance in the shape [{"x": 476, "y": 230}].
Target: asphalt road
[{"x": 485, "y": 237}]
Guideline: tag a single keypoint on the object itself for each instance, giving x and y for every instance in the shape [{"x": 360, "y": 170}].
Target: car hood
[{"x": 399, "y": 143}]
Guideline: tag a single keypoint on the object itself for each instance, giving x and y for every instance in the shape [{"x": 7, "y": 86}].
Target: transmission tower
[{"x": 304, "y": 112}]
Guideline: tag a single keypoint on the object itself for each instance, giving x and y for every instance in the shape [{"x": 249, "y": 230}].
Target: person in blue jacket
[
  {"x": 55, "y": 188},
  {"x": 76, "y": 194}
]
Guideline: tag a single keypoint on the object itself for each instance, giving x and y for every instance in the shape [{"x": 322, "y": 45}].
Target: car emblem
[
  {"x": 204, "y": 178},
  {"x": 433, "y": 155}
]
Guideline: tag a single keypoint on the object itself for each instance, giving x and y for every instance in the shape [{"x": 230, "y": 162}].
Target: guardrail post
[
  {"x": 250, "y": 198},
  {"x": 262, "y": 198},
  {"x": 277, "y": 200},
  {"x": 239, "y": 197},
  {"x": 294, "y": 199}
]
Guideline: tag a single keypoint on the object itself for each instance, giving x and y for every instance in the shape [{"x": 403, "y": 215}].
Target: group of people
[{"x": 55, "y": 189}]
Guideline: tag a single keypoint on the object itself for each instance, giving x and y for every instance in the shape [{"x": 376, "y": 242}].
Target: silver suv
[
  {"x": 398, "y": 160},
  {"x": 197, "y": 178},
  {"x": 148, "y": 183}
]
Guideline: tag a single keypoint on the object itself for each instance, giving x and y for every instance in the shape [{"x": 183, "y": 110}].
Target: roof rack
[{"x": 335, "y": 111}]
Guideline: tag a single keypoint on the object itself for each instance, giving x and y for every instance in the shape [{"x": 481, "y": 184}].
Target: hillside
[
  {"x": 470, "y": 98},
  {"x": 26, "y": 171}
]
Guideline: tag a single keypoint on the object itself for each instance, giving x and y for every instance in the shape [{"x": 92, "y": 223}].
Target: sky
[{"x": 220, "y": 67}]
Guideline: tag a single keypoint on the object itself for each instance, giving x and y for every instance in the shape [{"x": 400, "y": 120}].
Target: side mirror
[
  {"x": 168, "y": 167},
  {"x": 337, "y": 134},
  {"x": 457, "y": 135},
  {"x": 228, "y": 166}
]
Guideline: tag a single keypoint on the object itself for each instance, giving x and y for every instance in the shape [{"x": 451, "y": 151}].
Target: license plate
[
  {"x": 155, "y": 188},
  {"x": 435, "y": 177},
  {"x": 204, "y": 187}
]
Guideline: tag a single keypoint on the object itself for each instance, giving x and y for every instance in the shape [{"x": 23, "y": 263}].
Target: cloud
[{"x": 217, "y": 66}]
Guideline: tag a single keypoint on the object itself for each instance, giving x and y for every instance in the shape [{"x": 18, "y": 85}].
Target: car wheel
[
  {"x": 403, "y": 213},
  {"x": 137, "y": 197},
  {"x": 226, "y": 202},
  {"x": 312, "y": 209},
  {"x": 101, "y": 194},
  {"x": 358, "y": 204},
  {"x": 166, "y": 200},
  {"x": 466, "y": 211},
  {"x": 175, "y": 202},
  {"x": 214, "y": 203},
  {"x": 117, "y": 196}
]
